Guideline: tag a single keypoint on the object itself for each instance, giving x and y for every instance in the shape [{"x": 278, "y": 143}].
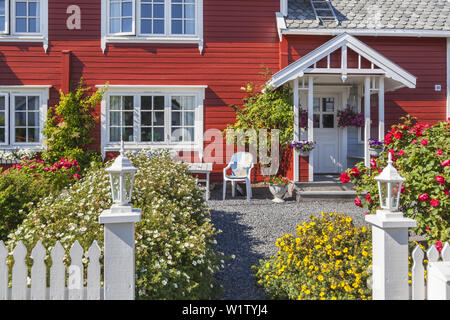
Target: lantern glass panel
[
  {"x": 389, "y": 193},
  {"x": 115, "y": 186},
  {"x": 128, "y": 185}
]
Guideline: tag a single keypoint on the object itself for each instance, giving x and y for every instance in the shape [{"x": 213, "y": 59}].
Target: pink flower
[
  {"x": 344, "y": 177},
  {"x": 445, "y": 163},
  {"x": 446, "y": 192},
  {"x": 434, "y": 203},
  {"x": 358, "y": 202},
  {"x": 414, "y": 141},
  {"x": 67, "y": 165},
  {"x": 424, "y": 197},
  {"x": 33, "y": 166},
  {"x": 367, "y": 213},
  {"x": 373, "y": 163},
  {"x": 398, "y": 135},
  {"x": 439, "y": 246},
  {"x": 46, "y": 169},
  {"x": 424, "y": 142},
  {"x": 368, "y": 198},
  {"x": 439, "y": 152},
  {"x": 34, "y": 175},
  {"x": 76, "y": 176},
  {"x": 440, "y": 179},
  {"x": 401, "y": 152}
]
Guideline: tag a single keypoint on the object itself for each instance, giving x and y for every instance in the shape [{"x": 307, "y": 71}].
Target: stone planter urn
[
  {"x": 278, "y": 191},
  {"x": 374, "y": 152}
]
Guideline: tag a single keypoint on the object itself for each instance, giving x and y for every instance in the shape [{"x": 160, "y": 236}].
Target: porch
[{"x": 342, "y": 73}]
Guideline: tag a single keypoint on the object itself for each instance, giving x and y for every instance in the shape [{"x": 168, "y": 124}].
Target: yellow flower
[{"x": 320, "y": 278}]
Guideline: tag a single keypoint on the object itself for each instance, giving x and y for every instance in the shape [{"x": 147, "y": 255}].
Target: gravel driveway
[{"x": 249, "y": 231}]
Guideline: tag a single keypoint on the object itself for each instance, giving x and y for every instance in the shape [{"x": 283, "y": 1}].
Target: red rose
[
  {"x": 445, "y": 163},
  {"x": 373, "y": 163},
  {"x": 344, "y": 177},
  {"x": 402, "y": 189},
  {"x": 440, "y": 179},
  {"x": 424, "y": 142},
  {"x": 76, "y": 176},
  {"x": 414, "y": 141},
  {"x": 368, "y": 198},
  {"x": 388, "y": 139},
  {"x": 358, "y": 202},
  {"x": 424, "y": 197},
  {"x": 439, "y": 152},
  {"x": 398, "y": 135},
  {"x": 354, "y": 171},
  {"x": 434, "y": 203},
  {"x": 439, "y": 246},
  {"x": 446, "y": 192}
]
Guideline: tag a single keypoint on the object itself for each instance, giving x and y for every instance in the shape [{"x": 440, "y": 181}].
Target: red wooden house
[{"x": 175, "y": 66}]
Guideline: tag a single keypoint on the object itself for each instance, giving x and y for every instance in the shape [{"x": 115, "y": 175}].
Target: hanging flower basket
[
  {"x": 304, "y": 147},
  {"x": 350, "y": 118},
  {"x": 375, "y": 147}
]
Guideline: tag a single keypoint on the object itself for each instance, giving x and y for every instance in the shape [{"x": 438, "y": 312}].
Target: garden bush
[
  {"x": 421, "y": 153},
  {"x": 25, "y": 183},
  {"x": 175, "y": 245},
  {"x": 328, "y": 259}
]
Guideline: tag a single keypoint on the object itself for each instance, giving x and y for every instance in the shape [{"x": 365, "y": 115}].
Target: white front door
[{"x": 326, "y": 134}]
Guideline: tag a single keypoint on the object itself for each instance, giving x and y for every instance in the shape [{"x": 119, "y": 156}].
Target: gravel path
[{"x": 249, "y": 231}]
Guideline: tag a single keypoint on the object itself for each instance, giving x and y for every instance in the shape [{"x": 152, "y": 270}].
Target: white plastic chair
[{"x": 241, "y": 165}]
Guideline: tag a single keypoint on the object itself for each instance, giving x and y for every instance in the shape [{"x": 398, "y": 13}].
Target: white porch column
[
  {"x": 367, "y": 121},
  {"x": 311, "y": 124},
  {"x": 381, "y": 109},
  {"x": 296, "y": 130}
]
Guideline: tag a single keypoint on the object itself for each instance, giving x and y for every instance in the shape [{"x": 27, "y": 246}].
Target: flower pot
[
  {"x": 375, "y": 152},
  {"x": 278, "y": 191},
  {"x": 304, "y": 153}
]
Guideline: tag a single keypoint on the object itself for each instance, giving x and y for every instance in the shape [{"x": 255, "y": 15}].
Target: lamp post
[
  {"x": 390, "y": 239},
  {"x": 119, "y": 254}
]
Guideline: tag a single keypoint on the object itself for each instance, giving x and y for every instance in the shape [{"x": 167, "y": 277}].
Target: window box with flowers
[
  {"x": 349, "y": 118},
  {"x": 375, "y": 147},
  {"x": 304, "y": 147},
  {"x": 278, "y": 187}
]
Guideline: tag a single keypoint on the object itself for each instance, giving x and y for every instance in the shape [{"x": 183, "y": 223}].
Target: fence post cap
[
  {"x": 121, "y": 215},
  {"x": 387, "y": 220}
]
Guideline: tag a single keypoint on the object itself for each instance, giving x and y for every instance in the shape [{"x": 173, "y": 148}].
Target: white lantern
[
  {"x": 389, "y": 187},
  {"x": 121, "y": 174}
]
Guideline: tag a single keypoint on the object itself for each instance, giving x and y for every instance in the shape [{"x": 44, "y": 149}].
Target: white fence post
[
  {"x": 119, "y": 255},
  {"x": 390, "y": 255}
]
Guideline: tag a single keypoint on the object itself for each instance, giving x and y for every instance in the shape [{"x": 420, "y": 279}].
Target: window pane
[
  {"x": 33, "y": 9},
  {"x": 21, "y": 9},
  {"x": 176, "y": 103},
  {"x": 146, "y": 11},
  {"x": 189, "y": 134},
  {"x": 2, "y": 103},
  {"x": 2, "y": 23},
  {"x": 20, "y": 103},
  {"x": 177, "y": 11},
  {"x": 127, "y": 134},
  {"x": 316, "y": 121},
  {"x": 115, "y": 103},
  {"x": 33, "y": 119},
  {"x": 158, "y": 103},
  {"x": 189, "y": 118},
  {"x": 176, "y": 118},
  {"x": 21, "y": 25},
  {"x": 20, "y": 119},
  {"x": 177, "y": 27},
  {"x": 2, "y": 7},
  {"x": 146, "y": 134},
  {"x": 21, "y": 135},
  {"x": 146, "y": 118},
  {"x": 158, "y": 11},
  {"x": 158, "y": 118},
  {"x": 33, "y": 135},
  {"x": 2, "y": 119},
  {"x": 127, "y": 9},
  {"x": 114, "y": 134},
  {"x": 189, "y": 27},
  {"x": 115, "y": 118},
  {"x": 128, "y": 103},
  {"x": 33, "y": 25},
  {"x": 158, "y": 134},
  {"x": 189, "y": 103},
  {"x": 127, "y": 118},
  {"x": 146, "y": 26},
  {"x": 177, "y": 135},
  {"x": 114, "y": 26},
  {"x": 114, "y": 10},
  {"x": 2, "y": 135},
  {"x": 158, "y": 26},
  {"x": 328, "y": 105},
  {"x": 328, "y": 121},
  {"x": 316, "y": 104},
  {"x": 189, "y": 11},
  {"x": 33, "y": 103},
  {"x": 127, "y": 25},
  {"x": 146, "y": 103}
]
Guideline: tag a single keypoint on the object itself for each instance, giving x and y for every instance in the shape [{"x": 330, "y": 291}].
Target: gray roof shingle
[{"x": 374, "y": 14}]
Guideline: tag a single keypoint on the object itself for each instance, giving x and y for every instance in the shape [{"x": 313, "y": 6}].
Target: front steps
[{"x": 326, "y": 190}]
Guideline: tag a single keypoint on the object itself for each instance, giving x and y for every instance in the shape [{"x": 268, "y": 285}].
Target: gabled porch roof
[{"x": 396, "y": 77}]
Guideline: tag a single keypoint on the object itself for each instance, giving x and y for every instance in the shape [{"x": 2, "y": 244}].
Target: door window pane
[
  {"x": 328, "y": 105},
  {"x": 328, "y": 121}
]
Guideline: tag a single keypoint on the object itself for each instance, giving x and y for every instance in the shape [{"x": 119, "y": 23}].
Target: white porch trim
[
  {"x": 310, "y": 125},
  {"x": 448, "y": 78}
]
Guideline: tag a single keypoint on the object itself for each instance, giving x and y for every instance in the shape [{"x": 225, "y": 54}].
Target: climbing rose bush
[
  {"x": 421, "y": 154},
  {"x": 175, "y": 240},
  {"x": 328, "y": 259}
]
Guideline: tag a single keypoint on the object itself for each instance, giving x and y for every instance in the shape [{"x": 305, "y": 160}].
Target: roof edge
[{"x": 368, "y": 32}]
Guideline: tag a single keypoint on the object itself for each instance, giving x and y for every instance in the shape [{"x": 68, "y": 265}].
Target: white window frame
[
  {"x": 7, "y": 18},
  {"x": 10, "y": 35},
  {"x": 153, "y": 90},
  {"x": 7, "y": 121},
  {"x": 139, "y": 37},
  {"x": 42, "y": 91},
  {"x": 133, "y": 20}
]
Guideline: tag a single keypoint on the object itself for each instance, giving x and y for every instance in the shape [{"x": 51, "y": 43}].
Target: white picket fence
[
  {"x": 34, "y": 287},
  {"x": 418, "y": 286}
]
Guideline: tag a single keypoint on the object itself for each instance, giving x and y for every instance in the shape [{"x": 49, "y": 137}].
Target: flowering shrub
[
  {"x": 329, "y": 258},
  {"x": 376, "y": 144},
  {"x": 25, "y": 183},
  {"x": 276, "y": 180},
  {"x": 350, "y": 118},
  {"x": 303, "y": 145},
  {"x": 175, "y": 256},
  {"x": 421, "y": 154}
]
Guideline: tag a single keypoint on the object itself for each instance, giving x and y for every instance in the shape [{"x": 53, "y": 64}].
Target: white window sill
[
  {"x": 143, "y": 39},
  {"x": 25, "y": 38},
  {"x": 153, "y": 146}
]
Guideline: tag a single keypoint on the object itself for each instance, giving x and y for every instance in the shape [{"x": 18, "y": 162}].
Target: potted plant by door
[
  {"x": 303, "y": 147},
  {"x": 278, "y": 187},
  {"x": 375, "y": 147}
]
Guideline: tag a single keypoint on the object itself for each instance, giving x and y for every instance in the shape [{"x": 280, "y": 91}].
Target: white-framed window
[
  {"x": 166, "y": 21},
  {"x": 153, "y": 117},
  {"x": 23, "y": 110},
  {"x": 24, "y": 20}
]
